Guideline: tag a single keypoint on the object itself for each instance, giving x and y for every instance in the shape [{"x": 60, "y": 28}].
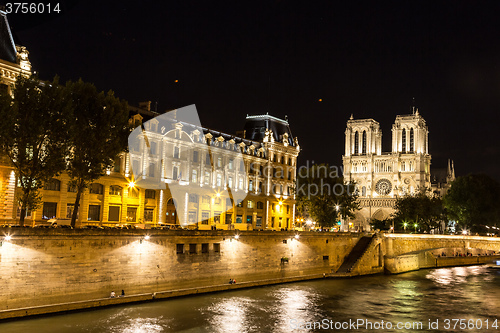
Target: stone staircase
[{"x": 355, "y": 254}]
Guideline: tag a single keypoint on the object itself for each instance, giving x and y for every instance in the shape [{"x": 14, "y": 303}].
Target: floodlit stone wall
[{"x": 48, "y": 266}]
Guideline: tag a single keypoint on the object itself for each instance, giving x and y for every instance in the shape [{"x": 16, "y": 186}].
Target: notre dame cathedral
[{"x": 382, "y": 177}]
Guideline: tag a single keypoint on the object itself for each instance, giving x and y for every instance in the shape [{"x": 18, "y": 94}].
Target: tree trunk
[
  {"x": 80, "y": 188},
  {"x": 23, "y": 209}
]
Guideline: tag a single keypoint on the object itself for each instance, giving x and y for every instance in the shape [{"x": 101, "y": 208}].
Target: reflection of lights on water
[
  {"x": 297, "y": 304},
  {"x": 230, "y": 315},
  {"x": 139, "y": 325}
]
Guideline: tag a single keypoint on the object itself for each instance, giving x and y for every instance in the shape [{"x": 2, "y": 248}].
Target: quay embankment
[{"x": 57, "y": 270}]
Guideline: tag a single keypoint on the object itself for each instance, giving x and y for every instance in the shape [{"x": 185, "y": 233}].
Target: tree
[
  {"x": 474, "y": 202},
  {"x": 99, "y": 133},
  {"x": 322, "y": 194},
  {"x": 422, "y": 209},
  {"x": 34, "y": 135}
]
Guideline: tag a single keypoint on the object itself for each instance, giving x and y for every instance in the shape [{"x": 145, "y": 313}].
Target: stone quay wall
[{"x": 40, "y": 267}]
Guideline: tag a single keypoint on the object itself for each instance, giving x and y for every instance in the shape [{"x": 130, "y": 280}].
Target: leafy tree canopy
[
  {"x": 474, "y": 202},
  {"x": 34, "y": 135},
  {"x": 322, "y": 194}
]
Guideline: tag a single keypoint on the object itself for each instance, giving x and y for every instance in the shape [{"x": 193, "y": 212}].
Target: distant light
[
  {"x": 176, "y": 81},
  {"x": 217, "y": 195},
  {"x": 8, "y": 238},
  {"x": 280, "y": 203},
  {"x": 236, "y": 236},
  {"x": 297, "y": 236},
  {"x": 146, "y": 237},
  {"x": 464, "y": 232},
  {"x": 131, "y": 184},
  {"x": 320, "y": 100},
  {"x": 337, "y": 208}
]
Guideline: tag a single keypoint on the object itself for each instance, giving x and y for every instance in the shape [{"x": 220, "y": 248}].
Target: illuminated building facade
[{"x": 382, "y": 177}]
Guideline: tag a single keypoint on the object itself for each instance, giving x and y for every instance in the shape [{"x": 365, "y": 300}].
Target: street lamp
[
  {"x": 415, "y": 225},
  {"x": 405, "y": 225}
]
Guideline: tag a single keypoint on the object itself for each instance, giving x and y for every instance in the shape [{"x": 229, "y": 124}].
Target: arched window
[
  {"x": 412, "y": 141},
  {"x": 356, "y": 143},
  {"x": 403, "y": 141},
  {"x": 363, "y": 150}
]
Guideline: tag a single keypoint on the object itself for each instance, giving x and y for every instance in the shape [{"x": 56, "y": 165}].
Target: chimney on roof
[{"x": 145, "y": 105}]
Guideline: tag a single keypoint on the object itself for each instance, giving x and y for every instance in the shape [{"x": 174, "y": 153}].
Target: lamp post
[
  {"x": 405, "y": 225},
  {"x": 415, "y": 225}
]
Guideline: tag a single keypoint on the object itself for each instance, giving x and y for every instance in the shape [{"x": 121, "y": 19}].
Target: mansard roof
[
  {"x": 7, "y": 46},
  {"x": 256, "y": 126}
]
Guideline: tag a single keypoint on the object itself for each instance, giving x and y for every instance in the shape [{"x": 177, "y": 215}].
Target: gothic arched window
[
  {"x": 363, "y": 151},
  {"x": 412, "y": 141},
  {"x": 356, "y": 142},
  {"x": 403, "y": 141}
]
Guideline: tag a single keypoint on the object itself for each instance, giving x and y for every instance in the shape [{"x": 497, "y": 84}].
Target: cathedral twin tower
[{"x": 381, "y": 177}]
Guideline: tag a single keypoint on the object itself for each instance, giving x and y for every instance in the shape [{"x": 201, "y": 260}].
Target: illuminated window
[
  {"x": 411, "y": 141},
  {"x": 205, "y": 199},
  {"x": 150, "y": 194},
  {"x": 151, "y": 169},
  {"x": 115, "y": 190},
  {"x": 175, "y": 172},
  {"x": 207, "y": 178},
  {"x": 403, "y": 140},
  {"x": 194, "y": 176},
  {"x": 250, "y": 204},
  {"x": 96, "y": 188},
  {"x": 131, "y": 214},
  {"x": 94, "y": 213},
  {"x": 219, "y": 180},
  {"x": 49, "y": 210},
  {"x": 363, "y": 151},
  {"x": 356, "y": 142},
  {"x": 148, "y": 215},
  {"x": 69, "y": 211},
  {"x": 250, "y": 185},
  {"x": 114, "y": 213},
  {"x": 193, "y": 198},
  {"x": 52, "y": 185}
]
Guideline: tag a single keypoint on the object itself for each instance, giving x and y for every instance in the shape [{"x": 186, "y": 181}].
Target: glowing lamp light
[
  {"x": 131, "y": 184},
  {"x": 8, "y": 238},
  {"x": 217, "y": 195},
  {"x": 297, "y": 236},
  {"x": 337, "y": 208},
  {"x": 236, "y": 236},
  {"x": 280, "y": 203},
  {"x": 146, "y": 237}
]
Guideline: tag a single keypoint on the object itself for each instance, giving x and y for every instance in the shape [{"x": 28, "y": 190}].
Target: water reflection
[
  {"x": 460, "y": 292},
  {"x": 230, "y": 315}
]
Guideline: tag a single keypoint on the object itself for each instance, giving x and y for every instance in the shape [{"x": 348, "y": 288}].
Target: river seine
[{"x": 438, "y": 300}]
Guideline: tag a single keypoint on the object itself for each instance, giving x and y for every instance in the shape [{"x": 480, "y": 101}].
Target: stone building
[{"x": 382, "y": 177}]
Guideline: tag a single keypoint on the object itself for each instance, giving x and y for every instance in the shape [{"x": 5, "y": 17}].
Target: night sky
[{"x": 282, "y": 57}]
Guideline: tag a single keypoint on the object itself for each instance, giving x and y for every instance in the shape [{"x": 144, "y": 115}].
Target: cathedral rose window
[{"x": 383, "y": 187}]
